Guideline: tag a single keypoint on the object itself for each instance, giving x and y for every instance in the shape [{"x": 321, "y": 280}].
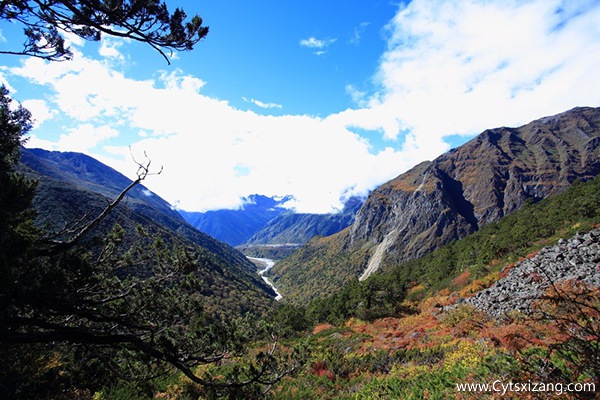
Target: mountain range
[
  {"x": 298, "y": 228},
  {"x": 265, "y": 220},
  {"x": 448, "y": 198},
  {"x": 235, "y": 227}
]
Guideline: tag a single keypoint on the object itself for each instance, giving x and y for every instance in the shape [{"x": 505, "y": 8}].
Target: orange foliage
[
  {"x": 431, "y": 327},
  {"x": 322, "y": 327},
  {"x": 517, "y": 335},
  {"x": 532, "y": 254},
  {"x": 415, "y": 287},
  {"x": 480, "y": 284},
  {"x": 513, "y": 337},
  {"x": 462, "y": 280},
  {"x": 573, "y": 307},
  {"x": 320, "y": 369}
]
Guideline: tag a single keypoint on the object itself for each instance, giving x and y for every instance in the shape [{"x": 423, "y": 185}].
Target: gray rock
[{"x": 568, "y": 259}]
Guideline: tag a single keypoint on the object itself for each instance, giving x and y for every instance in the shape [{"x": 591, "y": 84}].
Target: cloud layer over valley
[{"x": 451, "y": 70}]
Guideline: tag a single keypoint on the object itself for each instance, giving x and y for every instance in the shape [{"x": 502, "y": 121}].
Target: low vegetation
[{"x": 402, "y": 335}]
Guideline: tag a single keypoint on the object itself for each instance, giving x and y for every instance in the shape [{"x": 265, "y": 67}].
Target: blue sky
[
  {"x": 315, "y": 99},
  {"x": 265, "y": 50}
]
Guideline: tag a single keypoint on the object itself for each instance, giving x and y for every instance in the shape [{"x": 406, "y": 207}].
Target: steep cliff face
[
  {"x": 477, "y": 183},
  {"x": 412, "y": 214},
  {"x": 456, "y": 194}
]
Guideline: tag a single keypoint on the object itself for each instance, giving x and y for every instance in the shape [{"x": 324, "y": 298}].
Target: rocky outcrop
[
  {"x": 478, "y": 183},
  {"x": 577, "y": 258},
  {"x": 413, "y": 214}
]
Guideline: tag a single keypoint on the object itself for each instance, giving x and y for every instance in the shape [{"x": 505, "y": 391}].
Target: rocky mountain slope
[
  {"x": 452, "y": 196},
  {"x": 577, "y": 258},
  {"x": 74, "y": 188}
]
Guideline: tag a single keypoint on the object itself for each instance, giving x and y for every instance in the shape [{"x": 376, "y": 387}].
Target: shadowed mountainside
[
  {"x": 73, "y": 188},
  {"x": 264, "y": 221}
]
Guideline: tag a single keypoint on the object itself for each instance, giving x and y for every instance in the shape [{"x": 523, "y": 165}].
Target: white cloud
[
  {"x": 314, "y": 43},
  {"x": 358, "y": 32},
  {"x": 358, "y": 96},
  {"x": 109, "y": 48},
  {"x": 4, "y": 81},
  {"x": 451, "y": 67},
  {"x": 202, "y": 142},
  {"x": 315, "y": 160},
  {"x": 72, "y": 39},
  {"x": 86, "y": 89},
  {"x": 319, "y": 44},
  {"x": 262, "y": 104},
  {"x": 39, "y": 111},
  {"x": 463, "y": 66},
  {"x": 459, "y": 67},
  {"x": 83, "y": 139}
]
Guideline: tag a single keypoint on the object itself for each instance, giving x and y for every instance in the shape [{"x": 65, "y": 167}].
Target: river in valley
[{"x": 268, "y": 264}]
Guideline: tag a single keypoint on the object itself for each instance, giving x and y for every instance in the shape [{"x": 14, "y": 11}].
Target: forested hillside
[
  {"x": 99, "y": 294},
  {"x": 73, "y": 188},
  {"x": 497, "y": 245}
]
